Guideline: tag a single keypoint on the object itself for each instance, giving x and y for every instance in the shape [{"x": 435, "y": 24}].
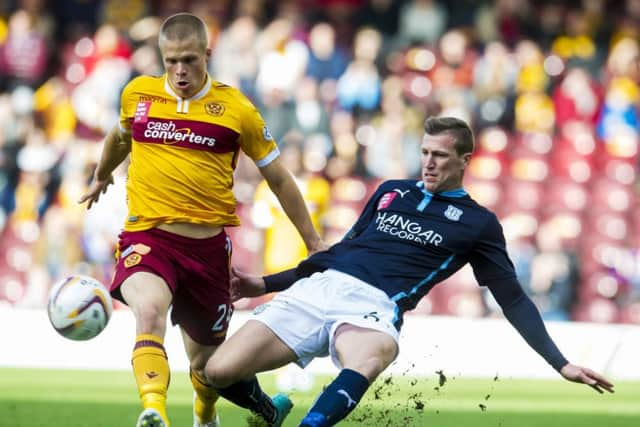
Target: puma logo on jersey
[
  {"x": 400, "y": 192},
  {"x": 151, "y": 375}
]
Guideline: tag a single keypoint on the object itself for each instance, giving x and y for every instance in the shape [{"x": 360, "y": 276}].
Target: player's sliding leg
[
  {"x": 253, "y": 348},
  {"x": 337, "y": 400},
  {"x": 151, "y": 370},
  {"x": 267, "y": 411},
  {"x": 364, "y": 354},
  {"x": 204, "y": 401}
]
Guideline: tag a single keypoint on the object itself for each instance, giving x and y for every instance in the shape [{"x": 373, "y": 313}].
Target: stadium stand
[{"x": 551, "y": 88}]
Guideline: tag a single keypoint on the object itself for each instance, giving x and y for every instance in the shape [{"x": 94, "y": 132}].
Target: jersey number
[{"x": 225, "y": 312}]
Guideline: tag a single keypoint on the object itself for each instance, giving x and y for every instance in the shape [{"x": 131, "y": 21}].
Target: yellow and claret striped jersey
[{"x": 184, "y": 151}]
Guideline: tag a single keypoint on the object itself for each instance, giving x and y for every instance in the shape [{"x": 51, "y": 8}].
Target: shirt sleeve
[
  {"x": 525, "y": 318},
  {"x": 280, "y": 281},
  {"x": 127, "y": 108},
  {"x": 255, "y": 139},
  {"x": 489, "y": 258}
]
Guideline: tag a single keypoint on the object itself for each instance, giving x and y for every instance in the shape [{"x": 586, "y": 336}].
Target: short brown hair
[
  {"x": 183, "y": 26},
  {"x": 457, "y": 128}
]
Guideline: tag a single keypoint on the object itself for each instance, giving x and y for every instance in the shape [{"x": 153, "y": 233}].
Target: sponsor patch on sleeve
[
  {"x": 386, "y": 200},
  {"x": 266, "y": 133},
  {"x": 142, "y": 112},
  {"x": 139, "y": 248}
]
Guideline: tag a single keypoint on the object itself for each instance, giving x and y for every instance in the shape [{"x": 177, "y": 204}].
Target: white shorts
[{"x": 305, "y": 316}]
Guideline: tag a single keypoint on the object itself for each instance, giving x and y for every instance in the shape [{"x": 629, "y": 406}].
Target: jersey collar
[
  {"x": 459, "y": 192},
  {"x": 202, "y": 92}
]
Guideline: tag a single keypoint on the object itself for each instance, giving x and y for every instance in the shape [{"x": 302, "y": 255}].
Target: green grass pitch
[{"x": 70, "y": 398}]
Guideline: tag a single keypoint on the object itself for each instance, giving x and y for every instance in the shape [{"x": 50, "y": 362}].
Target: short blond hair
[{"x": 183, "y": 26}]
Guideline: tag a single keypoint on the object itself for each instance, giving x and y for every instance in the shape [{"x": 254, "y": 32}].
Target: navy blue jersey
[{"x": 408, "y": 239}]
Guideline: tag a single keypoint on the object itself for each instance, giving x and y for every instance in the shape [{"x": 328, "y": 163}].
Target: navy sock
[
  {"x": 337, "y": 400},
  {"x": 249, "y": 395}
]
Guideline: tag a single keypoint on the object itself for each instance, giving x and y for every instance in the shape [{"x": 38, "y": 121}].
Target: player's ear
[
  {"x": 208, "y": 53},
  {"x": 466, "y": 158}
]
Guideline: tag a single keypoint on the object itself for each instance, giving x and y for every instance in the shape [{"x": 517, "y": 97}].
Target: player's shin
[
  {"x": 337, "y": 400},
  {"x": 249, "y": 395},
  {"x": 206, "y": 396},
  {"x": 151, "y": 370}
]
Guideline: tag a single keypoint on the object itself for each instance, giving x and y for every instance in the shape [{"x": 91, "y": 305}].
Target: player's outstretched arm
[
  {"x": 244, "y": 285},
  {"x": 578, "y": 374},
  {"x": 247, "y": 286},
  {"x": 284, "y": 187},
  {"x": 525, "y": 318},
  {"x": 117, "y": 146}
]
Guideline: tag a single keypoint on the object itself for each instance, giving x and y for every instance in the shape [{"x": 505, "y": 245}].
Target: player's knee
[
  {"x": 219, "y": 374},
  {"x": 372, "y": 367},
  {"x": 151, "y": 319},
  {"x": 197, "y": 362},
  {"x": 198, "y": 372},
  {"x": 374, "y": 364}
]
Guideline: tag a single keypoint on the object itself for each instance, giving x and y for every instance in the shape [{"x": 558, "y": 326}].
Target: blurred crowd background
[{"x": 551, "y": 89}]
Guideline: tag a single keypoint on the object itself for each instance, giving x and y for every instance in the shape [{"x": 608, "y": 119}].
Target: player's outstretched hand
[
  {"x": 582, "y": 375},
  {"x": 96, "y": 188},
  {"x": 244, "y": 285}
]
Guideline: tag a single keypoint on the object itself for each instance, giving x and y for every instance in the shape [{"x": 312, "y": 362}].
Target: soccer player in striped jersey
[
  {"x": 184, "y": 132},
  {"x": 348, "y": 301}
]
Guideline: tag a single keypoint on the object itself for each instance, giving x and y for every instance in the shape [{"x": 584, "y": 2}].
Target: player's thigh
[
  {"x": 364, "y": 350},
  {"x": 148, "y": 297},
  {"x": 144, "y": 290},
  {"x": 251, "y": 349}
]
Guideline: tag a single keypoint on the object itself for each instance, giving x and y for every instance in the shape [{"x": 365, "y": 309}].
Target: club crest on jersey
[
  {"x": 453, "y": 213},
  {"x": 142, "y": 112},
  {"x": 386, "y": 200},
  {"x": 214, "y": 108},
  {"x": 132, "y": 259}
]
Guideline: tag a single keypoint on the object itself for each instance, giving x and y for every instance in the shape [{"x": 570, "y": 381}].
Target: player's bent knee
[
  {"x": 372, "y": 367},
  {"x": 372, "y": 364},
  {"x": 221, "y": 375},
  {"x": 198, "y": 361}
]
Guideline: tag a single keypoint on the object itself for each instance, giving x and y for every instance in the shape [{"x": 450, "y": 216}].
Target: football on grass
[{"x": 79, "y": 307}]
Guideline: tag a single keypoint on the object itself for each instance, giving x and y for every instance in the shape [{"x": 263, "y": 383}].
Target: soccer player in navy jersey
[{"x": 348, "y": 300}]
